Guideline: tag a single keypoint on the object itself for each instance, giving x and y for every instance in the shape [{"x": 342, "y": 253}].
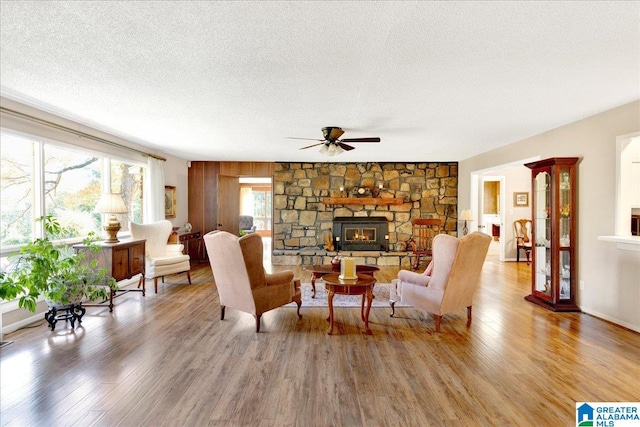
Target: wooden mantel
[{"x": 362, "y": 201}]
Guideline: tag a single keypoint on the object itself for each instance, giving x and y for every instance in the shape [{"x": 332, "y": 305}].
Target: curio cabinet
[{"x": 554, "y": 234}]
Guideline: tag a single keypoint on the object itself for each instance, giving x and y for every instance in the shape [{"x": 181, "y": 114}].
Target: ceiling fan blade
[
  {"x": 306, "y": 139},
  {"x": 360, "y": 140},
  {"x": 336, "y": 133},
  {"x": 345, "y": 147},
  {"x": 331, "y": 133},
  {"x": 313, "y": 145}
]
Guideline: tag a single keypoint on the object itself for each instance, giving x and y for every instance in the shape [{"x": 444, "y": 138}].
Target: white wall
[
  {"x": 611, "y": 276},
  {"x": 176, "y": 174}
]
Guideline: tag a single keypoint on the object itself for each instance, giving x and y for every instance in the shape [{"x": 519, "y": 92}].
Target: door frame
[{"x": 476, "y": 179}]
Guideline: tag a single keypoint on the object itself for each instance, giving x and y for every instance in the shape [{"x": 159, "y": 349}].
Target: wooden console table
[
  {"x": 122, "y": 260},
  {"x": 193, "y": 245}
]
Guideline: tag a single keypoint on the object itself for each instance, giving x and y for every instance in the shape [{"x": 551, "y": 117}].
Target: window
[
  {"x": 256, "y": 200},
  {"x": 72, "y": 187},
  {"x": 127, "y": 180},
  {"x": 16, "y": 184},
  {"x": 262, "y": 207},
  {"x": 42, "y": 177}
]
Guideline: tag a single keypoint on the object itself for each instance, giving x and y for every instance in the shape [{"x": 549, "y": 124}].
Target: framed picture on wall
[
  {"x": 521, "y": 200},
  {"x": 169, "y": 201}
]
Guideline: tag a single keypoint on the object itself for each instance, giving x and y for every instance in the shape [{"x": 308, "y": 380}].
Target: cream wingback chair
[
  {"x": 236, "y": 263},
  {"x": 161, "y": 258},
  {"x": 449, "y": 282}
]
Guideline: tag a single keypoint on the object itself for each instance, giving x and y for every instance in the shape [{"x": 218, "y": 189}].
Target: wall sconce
[
  {"x": 466, "y": 216},
  {"x": 337, "y": 243},
  {"x": 386, "y": 241},
  {"x": 111, "y": 204}
]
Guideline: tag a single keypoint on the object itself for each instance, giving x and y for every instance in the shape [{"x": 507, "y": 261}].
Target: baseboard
[
  {"x": 610, "y": 319},
  {"x": 21, "y": 323}
]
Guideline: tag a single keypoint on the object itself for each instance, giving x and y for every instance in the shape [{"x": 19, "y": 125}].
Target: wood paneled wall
[
  {"x": 255, "y": 169},
  {"x": 203, "y": 188},
  {"x": 203, "y": 195}
]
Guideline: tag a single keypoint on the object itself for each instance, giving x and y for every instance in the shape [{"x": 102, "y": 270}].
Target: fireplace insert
[{"x": 361, "y": 233}]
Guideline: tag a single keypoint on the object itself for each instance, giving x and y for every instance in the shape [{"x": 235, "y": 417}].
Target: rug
[{"x": 380, "y": 297}]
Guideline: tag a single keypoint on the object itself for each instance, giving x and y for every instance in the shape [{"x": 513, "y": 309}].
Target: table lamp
[
  {"x": 466, "y": 216},
  {"x": 111, "y": 204}
]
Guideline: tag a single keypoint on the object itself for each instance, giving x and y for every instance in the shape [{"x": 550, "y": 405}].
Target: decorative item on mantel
[{"x": 361, "y": 192}]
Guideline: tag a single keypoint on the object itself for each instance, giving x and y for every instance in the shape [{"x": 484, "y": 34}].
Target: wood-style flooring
[{"x": 167, "y": 360}]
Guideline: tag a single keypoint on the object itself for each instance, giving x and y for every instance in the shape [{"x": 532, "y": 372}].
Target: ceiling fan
[{"x": 332, "y": 144}]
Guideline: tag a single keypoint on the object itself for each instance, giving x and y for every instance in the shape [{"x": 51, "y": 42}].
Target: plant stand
[{"x": 71, "y": 312}]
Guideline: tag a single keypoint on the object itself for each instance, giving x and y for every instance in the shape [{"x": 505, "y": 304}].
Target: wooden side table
[
  {"x": 122, "y": 260},
  {"x": 363, "y": 285}
]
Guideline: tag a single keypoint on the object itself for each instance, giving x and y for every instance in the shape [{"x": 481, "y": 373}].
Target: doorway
[
  {"x": 256, "y": 200},
  {"x": 491, "y": 220},
  {"x": 510, "y": 177},
  {"x": 627, "y": 187}
]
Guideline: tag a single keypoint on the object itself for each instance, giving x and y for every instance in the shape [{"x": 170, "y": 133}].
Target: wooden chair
[
  {"x": 421, "y": 241},
  {"x": 522, "y": 235}
]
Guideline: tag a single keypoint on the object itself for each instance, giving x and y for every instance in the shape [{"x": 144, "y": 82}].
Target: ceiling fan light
[
  {"x": 324, "y": 150},
  {"x": 332, "y": 149},
  {"x": 338, "y": 149}
]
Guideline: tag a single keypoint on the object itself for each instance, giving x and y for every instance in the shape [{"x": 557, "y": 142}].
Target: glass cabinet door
[
  {"x": 542, "y": 231},
  {"x": 565, "y": 213}
]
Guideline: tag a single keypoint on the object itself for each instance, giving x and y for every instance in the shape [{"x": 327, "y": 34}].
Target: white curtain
[{"x": 154, "y": 191}]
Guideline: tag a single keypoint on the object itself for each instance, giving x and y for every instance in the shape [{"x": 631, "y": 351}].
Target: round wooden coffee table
[
  {"x": 363, "y": 285},
  {"x": 317, "y": 271}
]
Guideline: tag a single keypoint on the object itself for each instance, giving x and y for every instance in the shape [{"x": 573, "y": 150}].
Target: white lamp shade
[
  {"x": 111, "y": 203},
  {"x": 466, "y": 215},
  {"x": 331, "y": 149}
]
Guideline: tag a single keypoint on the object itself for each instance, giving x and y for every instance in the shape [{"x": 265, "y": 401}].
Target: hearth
[{"x": 361, "y": 233}]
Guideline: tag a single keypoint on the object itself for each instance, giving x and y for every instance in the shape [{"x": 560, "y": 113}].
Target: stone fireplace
[
  {"x": 309, "y": 198},
  {"x": 361, "y": 233}
]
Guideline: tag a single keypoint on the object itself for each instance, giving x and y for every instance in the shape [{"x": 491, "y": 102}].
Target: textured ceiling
[{"x": 436, "y": 81}]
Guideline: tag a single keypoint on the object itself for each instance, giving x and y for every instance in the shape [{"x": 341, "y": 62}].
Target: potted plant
[{"x": 51, "y": 270}]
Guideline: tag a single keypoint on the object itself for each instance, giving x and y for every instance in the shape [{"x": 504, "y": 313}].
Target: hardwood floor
[{"x": 167, "y": 359}]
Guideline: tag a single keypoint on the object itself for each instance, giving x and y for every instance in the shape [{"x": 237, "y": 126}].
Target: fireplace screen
[{"x": 360, "y": 234}]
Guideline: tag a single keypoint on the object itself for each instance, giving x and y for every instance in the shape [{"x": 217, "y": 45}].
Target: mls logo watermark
[{"x": 607, "y": 414}]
